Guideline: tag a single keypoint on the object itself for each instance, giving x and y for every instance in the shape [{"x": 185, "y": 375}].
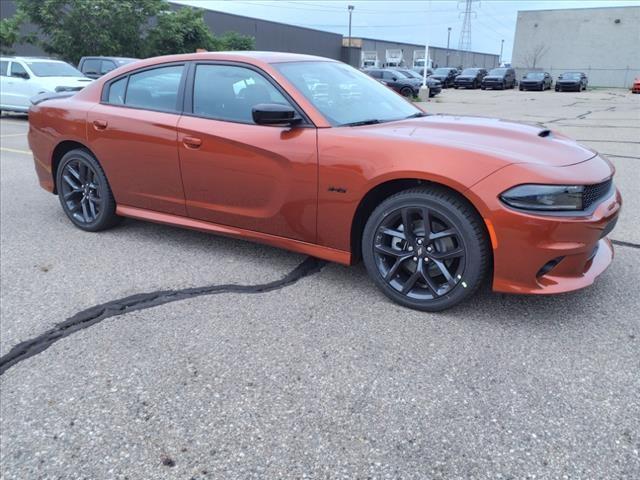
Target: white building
[{"x": 604, "y": 43}]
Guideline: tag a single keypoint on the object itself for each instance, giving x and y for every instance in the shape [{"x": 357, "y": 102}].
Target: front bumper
[
  {"x": 528, "y": 85},
  {"x": 524, "y": 244},
  {"x": 492, "y": 83},
  {"x": 568, "y": 86}
]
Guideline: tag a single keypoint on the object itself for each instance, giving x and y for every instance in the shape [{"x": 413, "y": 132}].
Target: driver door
[{"x": 236, "y": 173}]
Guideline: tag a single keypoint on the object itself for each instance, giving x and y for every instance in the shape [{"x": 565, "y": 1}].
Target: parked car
[
  {"x": 435, "y": 87},
  {"x": 420, "y": 71},
  {"x": 536, "y": 81},
  {"x": 635, "y": 88},
  {"x": 404, "y": 85},
  {"x": 435, "y": 205},
  {"x": 572, "y": 81},
  {"x": 501, "y": 78},
  {"x": 95, "y": 67},
  {"x": 445, "y": 75},
  {"x": 24, "y": 77},
  {"x": 470, "y": 78}
]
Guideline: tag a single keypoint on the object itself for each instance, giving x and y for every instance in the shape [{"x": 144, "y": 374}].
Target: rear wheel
[
  {"x": 426, "y": 248},
  {"x": 84, "y": 192},
  {"x": 406, "y": 92}
]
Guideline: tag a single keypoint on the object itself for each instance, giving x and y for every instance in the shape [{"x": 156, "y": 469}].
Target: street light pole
[
  {"x": 350, "y": 8},
  {"x": 448, "y": 38},
  {"x": 424, "y": 89},
  {"x": 501, "y": 46}
]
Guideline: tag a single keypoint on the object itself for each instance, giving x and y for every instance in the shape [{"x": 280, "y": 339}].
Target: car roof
[
  {"x": 32, "y": 59},
  {"x": 102, "y": 57},
  {"x": 266, "y": 57}
]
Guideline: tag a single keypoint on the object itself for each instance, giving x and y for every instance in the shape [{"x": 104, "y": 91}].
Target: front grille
[{"x": 593, "y": 193}]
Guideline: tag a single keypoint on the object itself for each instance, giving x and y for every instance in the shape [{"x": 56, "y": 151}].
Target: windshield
[
  {"x": 534, "y": 75},
  {"x": 53, "y": 69},
  {"x": 344, "y": 95},
  {"x": 411, "y": 74},
  {"x": 470, "y": 71},
  {"x": 498, "y": 72},
  {"x": 571, "y": 75},
  {"x": 441, "y": 71}
]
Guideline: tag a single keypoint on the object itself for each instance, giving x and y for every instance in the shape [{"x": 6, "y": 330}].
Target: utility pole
[
  {"x": 350, "y": 8},
  {"x": 424, "y": 89},
  {"x": 448, "y": 38},
  {"x": 465, "y": 34},
  {"x": 501, "y": 47}
]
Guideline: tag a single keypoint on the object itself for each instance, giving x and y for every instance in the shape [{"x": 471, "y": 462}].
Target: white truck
[
  {"x": 369, "y": 59},
  {"x": 418, "y": 59},
  {"x": 393, "y": 57}
]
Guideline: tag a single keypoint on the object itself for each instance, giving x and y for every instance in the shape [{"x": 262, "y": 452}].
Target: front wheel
[
  {"x": 426, "y": 248},
  {"x": 406, "y": 92},
  {"x": 84, "y": 192}
]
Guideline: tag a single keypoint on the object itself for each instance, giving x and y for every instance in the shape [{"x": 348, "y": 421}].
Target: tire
[
  {"x": 482, "y": 87},
  {"x": 557, "y": 89},
  {"x": 414, "y": 272},
  {"x": 406, "y": 92},
  {"x": 520, "y": 88},
  {"x": 84, "y": 192}
]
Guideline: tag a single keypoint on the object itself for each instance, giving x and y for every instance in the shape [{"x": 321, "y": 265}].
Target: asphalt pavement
[{"x": 158, "y": 352}]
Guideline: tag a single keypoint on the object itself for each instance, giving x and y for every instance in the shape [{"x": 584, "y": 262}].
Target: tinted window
[
  {"x": 155, "y": 89},
  {"x": 17, "y": 69},
  {"x": 116, "y": 91},
  {"x": 388, "y": 75},
  {"x": 91, "y": 66},
  {"x": 376, "y": 74},
  {"x": 4, "y": 65},
  {"x": 107, "y": 66},
  {"x": 229, "y": 93}
]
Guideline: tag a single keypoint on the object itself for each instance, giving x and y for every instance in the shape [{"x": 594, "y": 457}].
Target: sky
[{"x": 417, "y": 21}]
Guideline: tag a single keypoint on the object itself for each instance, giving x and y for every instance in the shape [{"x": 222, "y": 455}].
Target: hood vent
[{"x": 544, "y": 133}]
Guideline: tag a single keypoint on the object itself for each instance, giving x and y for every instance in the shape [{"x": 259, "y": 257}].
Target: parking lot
[{"x": 282, "y": 367}]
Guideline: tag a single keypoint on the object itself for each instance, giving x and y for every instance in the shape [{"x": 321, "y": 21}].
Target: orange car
[{"x": 309, "y": 154}]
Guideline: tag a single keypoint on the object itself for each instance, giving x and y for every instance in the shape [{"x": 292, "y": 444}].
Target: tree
[
  {"x": 535, "y": 55},
  {"x": 10, "y": 32},
  {"x": 74, "y": 28},
  {"x": 235, "y": 41},
  {"x": 180, "y": 31}
]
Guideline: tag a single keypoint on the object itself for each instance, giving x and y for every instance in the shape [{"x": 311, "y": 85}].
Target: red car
[
  {"x": 309, "y": 154},
  {"x": 635, "y": 88}
]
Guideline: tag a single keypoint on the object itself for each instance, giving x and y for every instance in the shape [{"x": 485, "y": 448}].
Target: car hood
[
  {"x": 509, "y": 141},
  {"x": 53, "y": 82}
]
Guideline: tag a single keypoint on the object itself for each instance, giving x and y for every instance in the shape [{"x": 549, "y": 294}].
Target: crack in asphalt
[
  {"x": 622, "y": 243},
  {"x": 93, "y": 315}
]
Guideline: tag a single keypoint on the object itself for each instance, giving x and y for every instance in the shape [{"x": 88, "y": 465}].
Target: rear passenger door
[{"x": 133, "y": 134}]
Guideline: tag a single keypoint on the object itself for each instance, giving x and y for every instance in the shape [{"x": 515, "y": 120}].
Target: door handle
[
  {"x": 100, "y": 124},
  {"x": 192, "y": 142}
]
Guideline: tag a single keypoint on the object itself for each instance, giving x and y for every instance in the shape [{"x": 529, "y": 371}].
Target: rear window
[
  {"x": 91, "y": 66},
  {"x": 116, "y": 91},
  {"x": 155, "y": 89},
  {"x": 4, "y": 65}
]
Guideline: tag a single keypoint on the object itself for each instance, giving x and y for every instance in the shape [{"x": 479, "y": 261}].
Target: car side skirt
[{"x": 319, "y": 251}]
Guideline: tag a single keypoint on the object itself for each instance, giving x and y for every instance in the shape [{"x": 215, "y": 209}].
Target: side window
[
  {"x": 155, "y": 89},
  {"x": 116, "y": 91},
  {"x": 387, "y": 75},
  {"x": 18, "y": 70},
  {"x": 4, "y": 66},
  {"x": 91, "y": 66},
  {"x": 376, "y": 74},
  {"x": 229, "y": 93},
  {"x": 107, "y": 66}
]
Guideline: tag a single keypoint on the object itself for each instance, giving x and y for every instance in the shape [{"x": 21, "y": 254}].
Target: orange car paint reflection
[{"x": 302, "y": 188}]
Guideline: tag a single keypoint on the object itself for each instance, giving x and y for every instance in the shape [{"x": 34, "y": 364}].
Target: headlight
[{"x": 544, "y": 197}]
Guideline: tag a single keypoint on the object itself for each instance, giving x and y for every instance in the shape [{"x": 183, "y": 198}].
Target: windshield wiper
[
  {"x": 371, "y": 121},
  {"x": 417, "y": 114}
]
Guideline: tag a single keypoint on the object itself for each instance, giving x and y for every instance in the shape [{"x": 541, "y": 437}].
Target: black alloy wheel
[
  {"x": 84, "y": 192},
  {"x": 426, "y": 248},
  {"x": 406, "y": 91}
]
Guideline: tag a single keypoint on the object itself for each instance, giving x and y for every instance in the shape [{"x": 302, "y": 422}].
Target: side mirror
[
  {"x": 274, "y": 114},
  {"x": 395, "y": 79}
]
